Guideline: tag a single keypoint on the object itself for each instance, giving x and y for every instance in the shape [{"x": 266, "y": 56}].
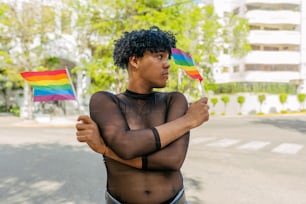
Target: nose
[{"x": 166, "y": 64}]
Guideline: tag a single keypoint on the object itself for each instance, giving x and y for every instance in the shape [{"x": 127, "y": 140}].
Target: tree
[
  {"x": 301, "y": 98},
  {"x": 214, "y": 101},
  {"x": 283, "y": 99},
  {"x": 225, "y": 99},
  {"x": 261, "y": 99},
  {"x": 25, "y": 35},
  {"x": 198, "y": 31},
  {"x": 240, "y": 100}
]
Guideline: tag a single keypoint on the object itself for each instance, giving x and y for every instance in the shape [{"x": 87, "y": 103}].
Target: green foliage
[
  {"x": 283, "y": 98},
  {"x": 15, "y": 110},
  {"x": 236, "y": 33},
  {"x": 272, "y": 88},
  {"x": 198, "y": 31},
  {"x": 261, "y": 98},
  {"x": 29, "y": 28},
  {"x": 225, "y": 99},
  {"x": 51, "y": 62},
  {"x": 189, "y": 22},
  {"x": 301, "y": 98},
  {"x": 241, "y": 100},
  {"x": 214, "y": 101}
]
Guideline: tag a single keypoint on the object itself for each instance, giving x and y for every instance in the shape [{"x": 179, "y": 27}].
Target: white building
[{"x": 278, "y": 40}]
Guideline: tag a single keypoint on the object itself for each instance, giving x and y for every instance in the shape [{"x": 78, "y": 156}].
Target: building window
[
  {"x": 255, "y": 47},
  {"x": 236, "y": 68},
  {"x": 225, "y": 69},
  {"x": 270, "y": 48},
  {"x": 273, "y": 7},
  {"x": 254, "y": 27},
  {"x": 281, "y": 47},
  {"x": 272, "y": 67}
]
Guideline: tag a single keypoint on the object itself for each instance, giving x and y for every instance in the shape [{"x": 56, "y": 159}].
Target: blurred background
[{"x": 252, "y": 53}]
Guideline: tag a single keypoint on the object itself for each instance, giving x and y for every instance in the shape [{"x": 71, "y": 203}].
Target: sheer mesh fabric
[{"x": 125, "y": 121}]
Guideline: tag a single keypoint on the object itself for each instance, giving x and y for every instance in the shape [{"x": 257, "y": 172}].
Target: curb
[{"x": 13, "y": 121}]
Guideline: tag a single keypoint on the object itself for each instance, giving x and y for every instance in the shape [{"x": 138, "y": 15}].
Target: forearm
[
  {"x": 173, "y": 130},
  {"x": 136, "y": 162},
  {"x": 168, "y": 158},
  {"x": 171, "y": 157}
]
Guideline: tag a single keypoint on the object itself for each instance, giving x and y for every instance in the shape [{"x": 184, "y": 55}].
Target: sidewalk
[{"x": 41, "y": 121}]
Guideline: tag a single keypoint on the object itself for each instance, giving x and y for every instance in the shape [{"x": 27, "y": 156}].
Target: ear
[{"x": 133, "y": 62}]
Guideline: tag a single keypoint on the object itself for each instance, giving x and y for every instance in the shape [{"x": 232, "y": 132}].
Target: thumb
[{"x": 85, "y": 119}]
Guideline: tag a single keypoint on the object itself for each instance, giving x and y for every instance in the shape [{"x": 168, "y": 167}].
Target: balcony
[
  {"x": 257, "y": 76},
  {"x": 274, "y": 37},
  {"x": 273, "y": 1},
  {"x": 273, "y": 57},
  {"x": 273, "y": 17}
]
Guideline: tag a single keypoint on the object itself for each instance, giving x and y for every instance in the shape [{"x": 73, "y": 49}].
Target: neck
[
  {"x": 136, "y": 83},
  {"x": 138, "y": 87}
]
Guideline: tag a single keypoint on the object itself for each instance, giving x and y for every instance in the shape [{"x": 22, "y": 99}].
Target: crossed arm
[
  {"x": 174, "y": 137},
  {"x": 166, "y": 158}
]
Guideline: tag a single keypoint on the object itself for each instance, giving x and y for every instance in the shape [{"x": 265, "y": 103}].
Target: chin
[{"x": 160, "y": 86}]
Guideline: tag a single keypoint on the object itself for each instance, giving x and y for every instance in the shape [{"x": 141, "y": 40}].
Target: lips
[{"x": 165, "y": 75}]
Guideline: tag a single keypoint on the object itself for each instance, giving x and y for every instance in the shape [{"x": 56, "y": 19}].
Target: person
[{"x": 143, "y": 134}]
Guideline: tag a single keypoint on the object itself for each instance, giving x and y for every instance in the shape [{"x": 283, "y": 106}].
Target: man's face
[{"x": 153, "y": 68}]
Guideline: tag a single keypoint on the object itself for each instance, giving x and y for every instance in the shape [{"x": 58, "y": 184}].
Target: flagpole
[
  {"x": 74, "y": 92},
  {"x": 201, "y": 89}
]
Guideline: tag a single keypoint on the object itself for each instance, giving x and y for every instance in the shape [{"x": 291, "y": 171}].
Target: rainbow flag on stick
[
  {"x": 50, "y": 85},
  {"x": 185, "y": 62}
]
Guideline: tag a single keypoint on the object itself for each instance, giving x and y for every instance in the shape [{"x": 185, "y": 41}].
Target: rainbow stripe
[
  {"x": 185, "y": 62},
  {"x": 50, "y": 85}
]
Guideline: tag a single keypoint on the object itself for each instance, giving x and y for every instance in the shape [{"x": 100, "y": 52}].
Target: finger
[
  {"x": 85, "y": 119},
  {"x": 85, "y": 132},
  {"x": 82, "y": 138},
  {"x": 204, "y": 100},
  {"x": 82, "y": 126}
]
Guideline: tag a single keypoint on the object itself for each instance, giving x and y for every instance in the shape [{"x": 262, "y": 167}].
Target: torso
[{"x": 128, "y": 184}]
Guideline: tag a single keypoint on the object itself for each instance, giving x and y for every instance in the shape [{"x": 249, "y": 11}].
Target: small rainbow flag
[
  {"x": 185, "y": 62},
  {"x": 50, "y": 85}
]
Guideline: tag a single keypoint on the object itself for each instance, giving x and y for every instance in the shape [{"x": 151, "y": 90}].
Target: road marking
[
  {"x": 199, "y": 140},
  {"x": 288, "y": 148},
  {"x": 223, "y": 143},
  {"x": 254, "y": 145}
]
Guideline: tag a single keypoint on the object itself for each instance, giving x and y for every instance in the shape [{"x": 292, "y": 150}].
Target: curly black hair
[{"x": 136, "y": 42}]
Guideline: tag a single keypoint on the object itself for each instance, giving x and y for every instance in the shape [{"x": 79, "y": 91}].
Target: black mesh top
[{"x": 124, "y": 121}]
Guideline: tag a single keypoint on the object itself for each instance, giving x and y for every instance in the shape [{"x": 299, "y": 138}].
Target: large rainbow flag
[
  {"x": 50, "y": 85},
  {"x": 185, "y": 62}
]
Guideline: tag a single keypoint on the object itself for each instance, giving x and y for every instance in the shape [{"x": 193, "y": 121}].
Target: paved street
[{"x": 233, "y": 160}]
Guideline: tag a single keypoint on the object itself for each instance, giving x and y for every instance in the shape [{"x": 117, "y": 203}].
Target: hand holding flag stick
[{"x": 186, "y": 63}]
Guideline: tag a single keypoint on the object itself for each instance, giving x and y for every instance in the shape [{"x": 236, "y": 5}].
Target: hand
[
  {"x": 87, "y": 131},
  {"x": 198, "y": 113}
]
